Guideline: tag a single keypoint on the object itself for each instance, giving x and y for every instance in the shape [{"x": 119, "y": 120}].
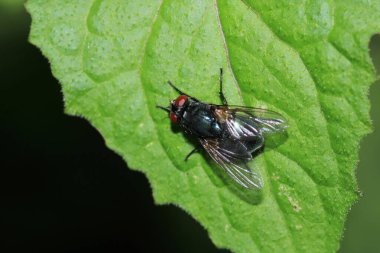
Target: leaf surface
[{"x": 307, "y": 60}]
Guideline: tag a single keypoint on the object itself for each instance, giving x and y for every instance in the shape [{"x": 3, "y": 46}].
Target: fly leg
[
  {"x": 176, "y": 89},
  {"x": 191, "y": 153},
  {"x": 167, "y": 109},
  {"x": 221, "y": 94},
  {"x": 180, "y": 92}
]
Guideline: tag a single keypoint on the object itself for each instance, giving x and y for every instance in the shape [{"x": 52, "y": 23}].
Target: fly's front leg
[
  {"x": 176, "y": 89},
  {"x": 191, "y": 153},
  {"x": 221, "y": 94},
  {"x": 167, "y": 109},
  {"x": 180, "y": 92}
]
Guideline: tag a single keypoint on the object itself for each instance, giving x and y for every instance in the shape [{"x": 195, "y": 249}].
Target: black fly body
[{"x": 229, "y": 134}]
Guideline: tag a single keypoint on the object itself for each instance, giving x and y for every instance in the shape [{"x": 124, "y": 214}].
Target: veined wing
[
  {"x": 232, "y": 156},
  {"x": 248, "y": 123}
]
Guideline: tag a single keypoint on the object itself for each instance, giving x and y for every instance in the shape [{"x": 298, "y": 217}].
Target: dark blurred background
[{"x": 62, "y": 190}]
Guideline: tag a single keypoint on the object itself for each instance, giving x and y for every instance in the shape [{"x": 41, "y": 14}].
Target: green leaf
[{"x": 307, "y": 60}]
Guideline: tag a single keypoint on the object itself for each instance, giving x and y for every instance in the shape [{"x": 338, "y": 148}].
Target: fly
[{"x": 230, "y": 134}]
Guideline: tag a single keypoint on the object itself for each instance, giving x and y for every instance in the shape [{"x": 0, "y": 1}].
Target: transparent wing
[
  {"x": 268, "y": 121},
  {"x": 248, "y": 123},
  {"x": 233, "y": 156}
]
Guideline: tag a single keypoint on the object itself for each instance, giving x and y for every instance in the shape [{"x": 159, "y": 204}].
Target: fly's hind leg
[{"x": 221, "y": 94}]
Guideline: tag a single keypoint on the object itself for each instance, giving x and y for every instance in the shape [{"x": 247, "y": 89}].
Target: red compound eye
[
  {"x": 180, "y": 101},
  {"x": 173, "y": 117}
]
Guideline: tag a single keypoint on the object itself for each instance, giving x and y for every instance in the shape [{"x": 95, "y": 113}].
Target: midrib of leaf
[
  {"x": 226, "y": 50},
  {"x": 279, "y": 209}
]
